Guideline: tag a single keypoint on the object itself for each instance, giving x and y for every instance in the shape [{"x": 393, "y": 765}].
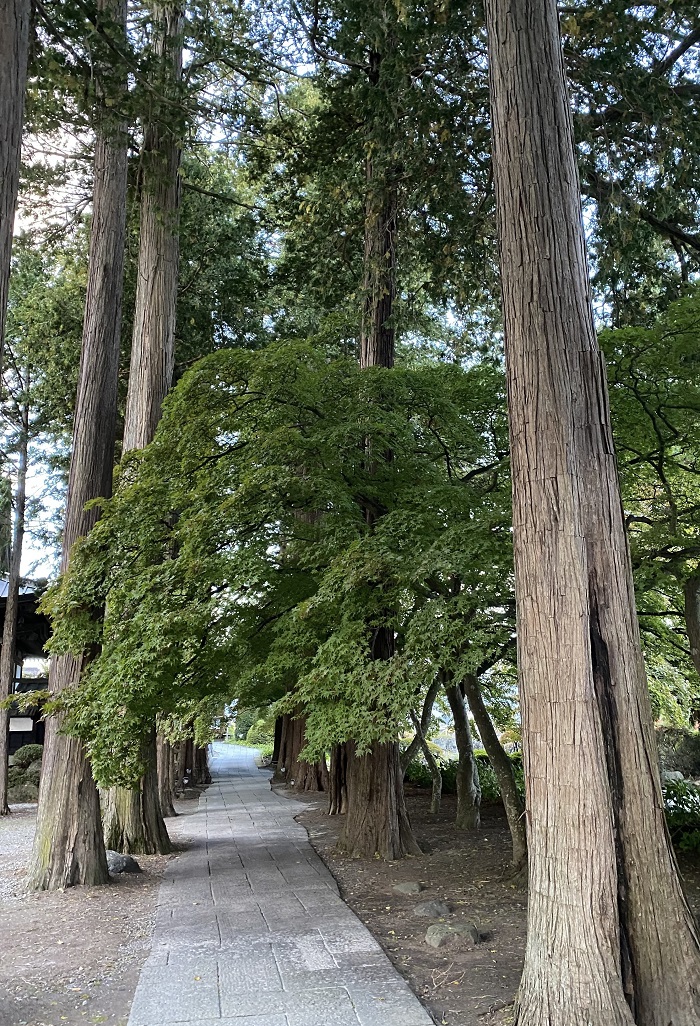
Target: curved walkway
[{"x": 251, "y": 929}]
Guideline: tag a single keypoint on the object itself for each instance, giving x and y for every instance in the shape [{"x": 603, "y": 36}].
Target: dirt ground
[
  {"x": 463, "y": 985},
  {"x": 71, "y": 958}
]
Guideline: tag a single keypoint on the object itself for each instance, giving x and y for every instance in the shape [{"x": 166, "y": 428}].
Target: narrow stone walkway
[{"x": 251, "y": 929}]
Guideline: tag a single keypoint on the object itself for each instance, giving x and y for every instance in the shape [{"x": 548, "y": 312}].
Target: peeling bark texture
[
  {"x": 691, "y": 594},
  {"x": 14, "y": 50},
  {"x": 166, "y": 776},
  {"x": 302, "y": 776},
  {"x": 68, "y": 847},
  {"x": 610, "y": 937},
  {"x": 468, "y": 787},
  {"x": 503, "y": 768},
  {"x": 338, "y": 781},
  {"x": 132, "y": 819},
  {"x": 8, "y": 652},
  {"x": 377, "y": 822},
  {"x": 153, "y": 343}
]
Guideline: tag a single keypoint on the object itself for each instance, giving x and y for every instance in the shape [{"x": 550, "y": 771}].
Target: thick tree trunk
[
  {"x": 166, "y": 776},
  {"x": 14, "y": 49},
  {"x": 8, "y": 653},
  {"x": 377, "y": 822},
  {"x": 132, "y": 819},
  {"x": 503, "y": 768},
  {"x": 68, "y": 847},
  {"x": 610, "y": 937},
  {"x": 279, "y": 723},
  {"x": 153, "y": 340},
  {"x": 302, "y": 776},
  {"x": 201, "y": 765},
  {"x": 468, "y": 786},
  {"x": 338, "y": 781}
]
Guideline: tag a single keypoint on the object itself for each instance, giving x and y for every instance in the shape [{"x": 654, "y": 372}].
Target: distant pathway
[{"x": 251, "y": 930}]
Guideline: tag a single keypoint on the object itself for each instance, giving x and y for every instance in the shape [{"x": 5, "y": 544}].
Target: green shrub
[
  {"x": 419, "y": 774},
  {"x": 682, "y": 804},
  {"x": 679, "y": 750},
  {"x": 261, "y": 733},
  {"x": 244, "y": 721},
  {"x": 22, "y": 793},
  {"x": 15, "y": 775},
  {"x": 32, "y": 774},
  {"x": 27, "y": 754}
]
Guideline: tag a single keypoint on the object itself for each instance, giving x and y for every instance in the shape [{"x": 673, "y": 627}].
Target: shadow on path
[{"x": 251, "y": 930}]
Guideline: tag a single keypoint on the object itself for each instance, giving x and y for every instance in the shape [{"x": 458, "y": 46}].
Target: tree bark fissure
[
  {"x": 608, "y": 925},
  {"x": 68, "y": 846}
]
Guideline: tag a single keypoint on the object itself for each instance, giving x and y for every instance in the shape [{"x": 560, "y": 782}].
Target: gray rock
[
  {"x": 432, "y": 909},
  {"x": 442, "y": 933},
  {"x": 118, "y": 863},
  {"x": 410, "y": 887}
]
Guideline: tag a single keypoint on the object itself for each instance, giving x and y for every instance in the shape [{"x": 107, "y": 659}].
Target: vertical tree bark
[
  {"x": 468, "y": 786},
  {"x": 610, "y": 937},
  {"x": 136, "y": 826},
  {"x": 14, "y": 49},
  {"x": 166, "y": 776},
  {"x": 201, "y": 765},
  {"x": 503, "y": 768},
  {"x": 302, "y": 776},
  {"x": 68, "y": 847},
  {"x": 338, "y": 781},
  {"x": 8, "y": 653},
  {"x": 153, "y": 341},
  {"x": 425, "y": 717},
  {"x": 277, "y": 745}
]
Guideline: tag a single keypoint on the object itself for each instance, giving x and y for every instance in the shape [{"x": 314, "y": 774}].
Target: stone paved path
[{"x": 251, "y": 930}]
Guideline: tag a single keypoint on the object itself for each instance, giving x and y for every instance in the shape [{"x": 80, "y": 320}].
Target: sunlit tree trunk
[
  {"x": 166, "y": 776},
  {"x": 153, "y": 348},
  {"x": 468, "y": 787},
  {"x": 14, "y": 48},
  {"x": 69, "y": 848},
  {"x": 610, "y": 937},
  {"x": 8, "y": 653}
]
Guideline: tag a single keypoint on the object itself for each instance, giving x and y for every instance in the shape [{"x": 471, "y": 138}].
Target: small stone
[
  {"x": 118, "y": 863},
  {"x": 432, "y": 909},
  {"x": 442, "y": 933},
  {"x": 410, "y": 887}
]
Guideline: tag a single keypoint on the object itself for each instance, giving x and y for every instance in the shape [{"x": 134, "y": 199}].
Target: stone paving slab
[{"x": 251, "y": 929}]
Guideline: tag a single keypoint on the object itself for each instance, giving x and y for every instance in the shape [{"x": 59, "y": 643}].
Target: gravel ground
[{"x": 73, "y": 957}]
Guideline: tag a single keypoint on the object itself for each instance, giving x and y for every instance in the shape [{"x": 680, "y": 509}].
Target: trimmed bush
[
  {"x": 32, "y": 775},
  {"x": 682, "y": 805},
  {"x": 28, "y": 754},
  {"x": 15, "y": 775},
  {"x": 22, "y": 793},
  {"x": 679, "y": 750},
  {"x": 261, "y": 733}
]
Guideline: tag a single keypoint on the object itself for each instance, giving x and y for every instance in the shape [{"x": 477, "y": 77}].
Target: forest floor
[
  {"x": 464, "y": 984},
  {"x": 72, "y": 958}
]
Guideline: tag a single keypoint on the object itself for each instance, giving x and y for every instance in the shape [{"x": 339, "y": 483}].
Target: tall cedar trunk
[
  {"x": 14, "y": 48},
  {"x": 136, "y": 827},
  {"x": 503, "y": 768},
  {"x": 377, "y": 820},
  {"x": 691, "y": 594},
  {"x": 166, "y": 776},
  {"x": 8, "y": 653},
  {"x": 433, "y": 766},
  {"x": 425, "y": 717},
  {"x": 68, "y": 847},
  {"x": 153, "y": 341},
  {"x": 201, "y": 765},
  {"x": 279, "y": 722},
  {"x": 302, "y": 776},
  {"x": 610, "y": 936},
  {"x": 338, "y": 781},
  {"x": 468, "y": 787}
]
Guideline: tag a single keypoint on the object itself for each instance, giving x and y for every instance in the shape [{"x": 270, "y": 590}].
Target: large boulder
[
  {"x": 408, "y": 887},
  {"x": 118, "y": 863},
  {"x": 441, "y": 934}
]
